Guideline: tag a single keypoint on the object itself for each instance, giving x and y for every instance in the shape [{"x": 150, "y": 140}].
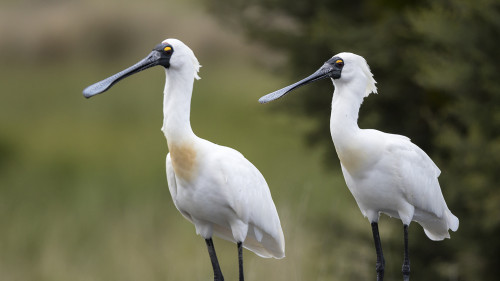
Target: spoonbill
[
  {"x": 214, "y": 187},
  {"x": 385, "y": 173}
]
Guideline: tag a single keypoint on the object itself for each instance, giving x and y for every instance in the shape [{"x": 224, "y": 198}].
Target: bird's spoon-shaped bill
[
  {"x": 323, "y": 72},
  {"x": 151, "y": 60}
]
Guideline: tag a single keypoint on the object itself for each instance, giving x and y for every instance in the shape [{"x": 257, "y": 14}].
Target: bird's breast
[
  {"x": 351, "y": 157},
  {"x": 184, "y": 158},
  {"x": 359, "y": 155}
]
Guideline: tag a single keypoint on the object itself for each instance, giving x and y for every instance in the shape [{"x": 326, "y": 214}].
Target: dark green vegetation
[{"x": 437, "y": 64}]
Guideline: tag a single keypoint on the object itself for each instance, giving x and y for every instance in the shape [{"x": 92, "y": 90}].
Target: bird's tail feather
[
  {"x": 452, "y": 221},
  {"x": 437, "y": 229}
]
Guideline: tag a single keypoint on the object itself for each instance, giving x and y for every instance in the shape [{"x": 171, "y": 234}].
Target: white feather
[
  {"x": 213, "y": 186},
  {"x": 386, "y": 173}
]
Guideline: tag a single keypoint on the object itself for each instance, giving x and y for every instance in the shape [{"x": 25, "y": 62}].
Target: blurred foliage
[
  {"x": 83, "y": 191},
  {"x": 437, "y": 64}
]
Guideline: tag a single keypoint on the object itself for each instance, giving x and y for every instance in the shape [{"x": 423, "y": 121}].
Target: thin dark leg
[
  {"x": 240, "y": 260},
  {"x": 406, "y": 262},
  {"x": 215, "y": 263},
  {"x": 380, "y": 265}
]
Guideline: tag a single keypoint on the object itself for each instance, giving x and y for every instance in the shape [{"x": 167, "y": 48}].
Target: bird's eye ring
[{"x": 339, "y": 63}]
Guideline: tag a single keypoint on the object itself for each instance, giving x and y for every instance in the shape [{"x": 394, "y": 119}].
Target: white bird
[
  {"x": 385, "y": 173},
  {"x": 214, "y": 187}
]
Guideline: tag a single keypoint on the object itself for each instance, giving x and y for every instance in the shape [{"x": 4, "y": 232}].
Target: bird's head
[
  {"x": 182, "y": 57},
  {"x": 171, "y": 54},
  {"x": 343, "y": 68}
]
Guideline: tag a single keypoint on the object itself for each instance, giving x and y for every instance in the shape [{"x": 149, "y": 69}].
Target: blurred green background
[{"x": 83, "y": 192}]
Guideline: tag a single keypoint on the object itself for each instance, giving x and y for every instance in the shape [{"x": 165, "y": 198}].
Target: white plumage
[
  {"x": 213, "y": 186},
  {"x": 401, "y": 183},
  {"x": 229, "y": 198},
  {"x": 385, "y": 173}
]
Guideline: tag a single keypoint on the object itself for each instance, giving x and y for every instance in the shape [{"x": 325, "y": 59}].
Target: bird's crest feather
[{"x": 370, "y": 85}]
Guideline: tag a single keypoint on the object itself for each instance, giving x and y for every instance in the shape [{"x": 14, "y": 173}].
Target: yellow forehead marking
[
  {"x": 167, "y": 49},
  {"x": 338, "y": 61}
]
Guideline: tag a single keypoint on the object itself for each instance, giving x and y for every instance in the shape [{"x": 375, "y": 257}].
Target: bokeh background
[{"x": 83, "y": 192}]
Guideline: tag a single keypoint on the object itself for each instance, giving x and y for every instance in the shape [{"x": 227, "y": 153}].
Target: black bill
[
  {"x": 330, "y": 69},
  {"x": 159, "y": 56}
]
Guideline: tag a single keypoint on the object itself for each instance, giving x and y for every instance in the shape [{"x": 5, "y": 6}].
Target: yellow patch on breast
[{"x": 183, "y": 160}]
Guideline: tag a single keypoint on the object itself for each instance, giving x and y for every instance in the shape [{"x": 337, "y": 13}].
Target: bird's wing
[
  {"x": 250, "y": 198},
  {"x": 417, "y": 175},
  {"x": 172, "y": 185},
  {"x": 419, "y": 183}
]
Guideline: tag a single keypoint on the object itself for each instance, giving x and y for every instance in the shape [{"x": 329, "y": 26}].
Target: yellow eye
[
  {"x": 338, "y": 61},
  {"x": 168, "y": 48}
]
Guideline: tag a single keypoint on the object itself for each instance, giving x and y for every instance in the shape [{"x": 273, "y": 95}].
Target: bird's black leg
[
  {"x": 406, "y": 262},
  {"x": 240, "y": 260},
  {"x": 215, "y": 263},
  {"x": 380, "y": 265}
]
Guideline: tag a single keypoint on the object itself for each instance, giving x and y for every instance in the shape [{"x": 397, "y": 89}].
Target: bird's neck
[
  {"x": 345, "y": 110},
  {"x": 346, "y": 134},
  {"x": 177, "y": 106}
]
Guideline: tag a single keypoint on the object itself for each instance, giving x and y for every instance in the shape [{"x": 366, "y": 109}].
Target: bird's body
[
  {"x": 214, "y": 187},
  {"x": 385, "y": 173},
  {"x": 222, "y": 193}
]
